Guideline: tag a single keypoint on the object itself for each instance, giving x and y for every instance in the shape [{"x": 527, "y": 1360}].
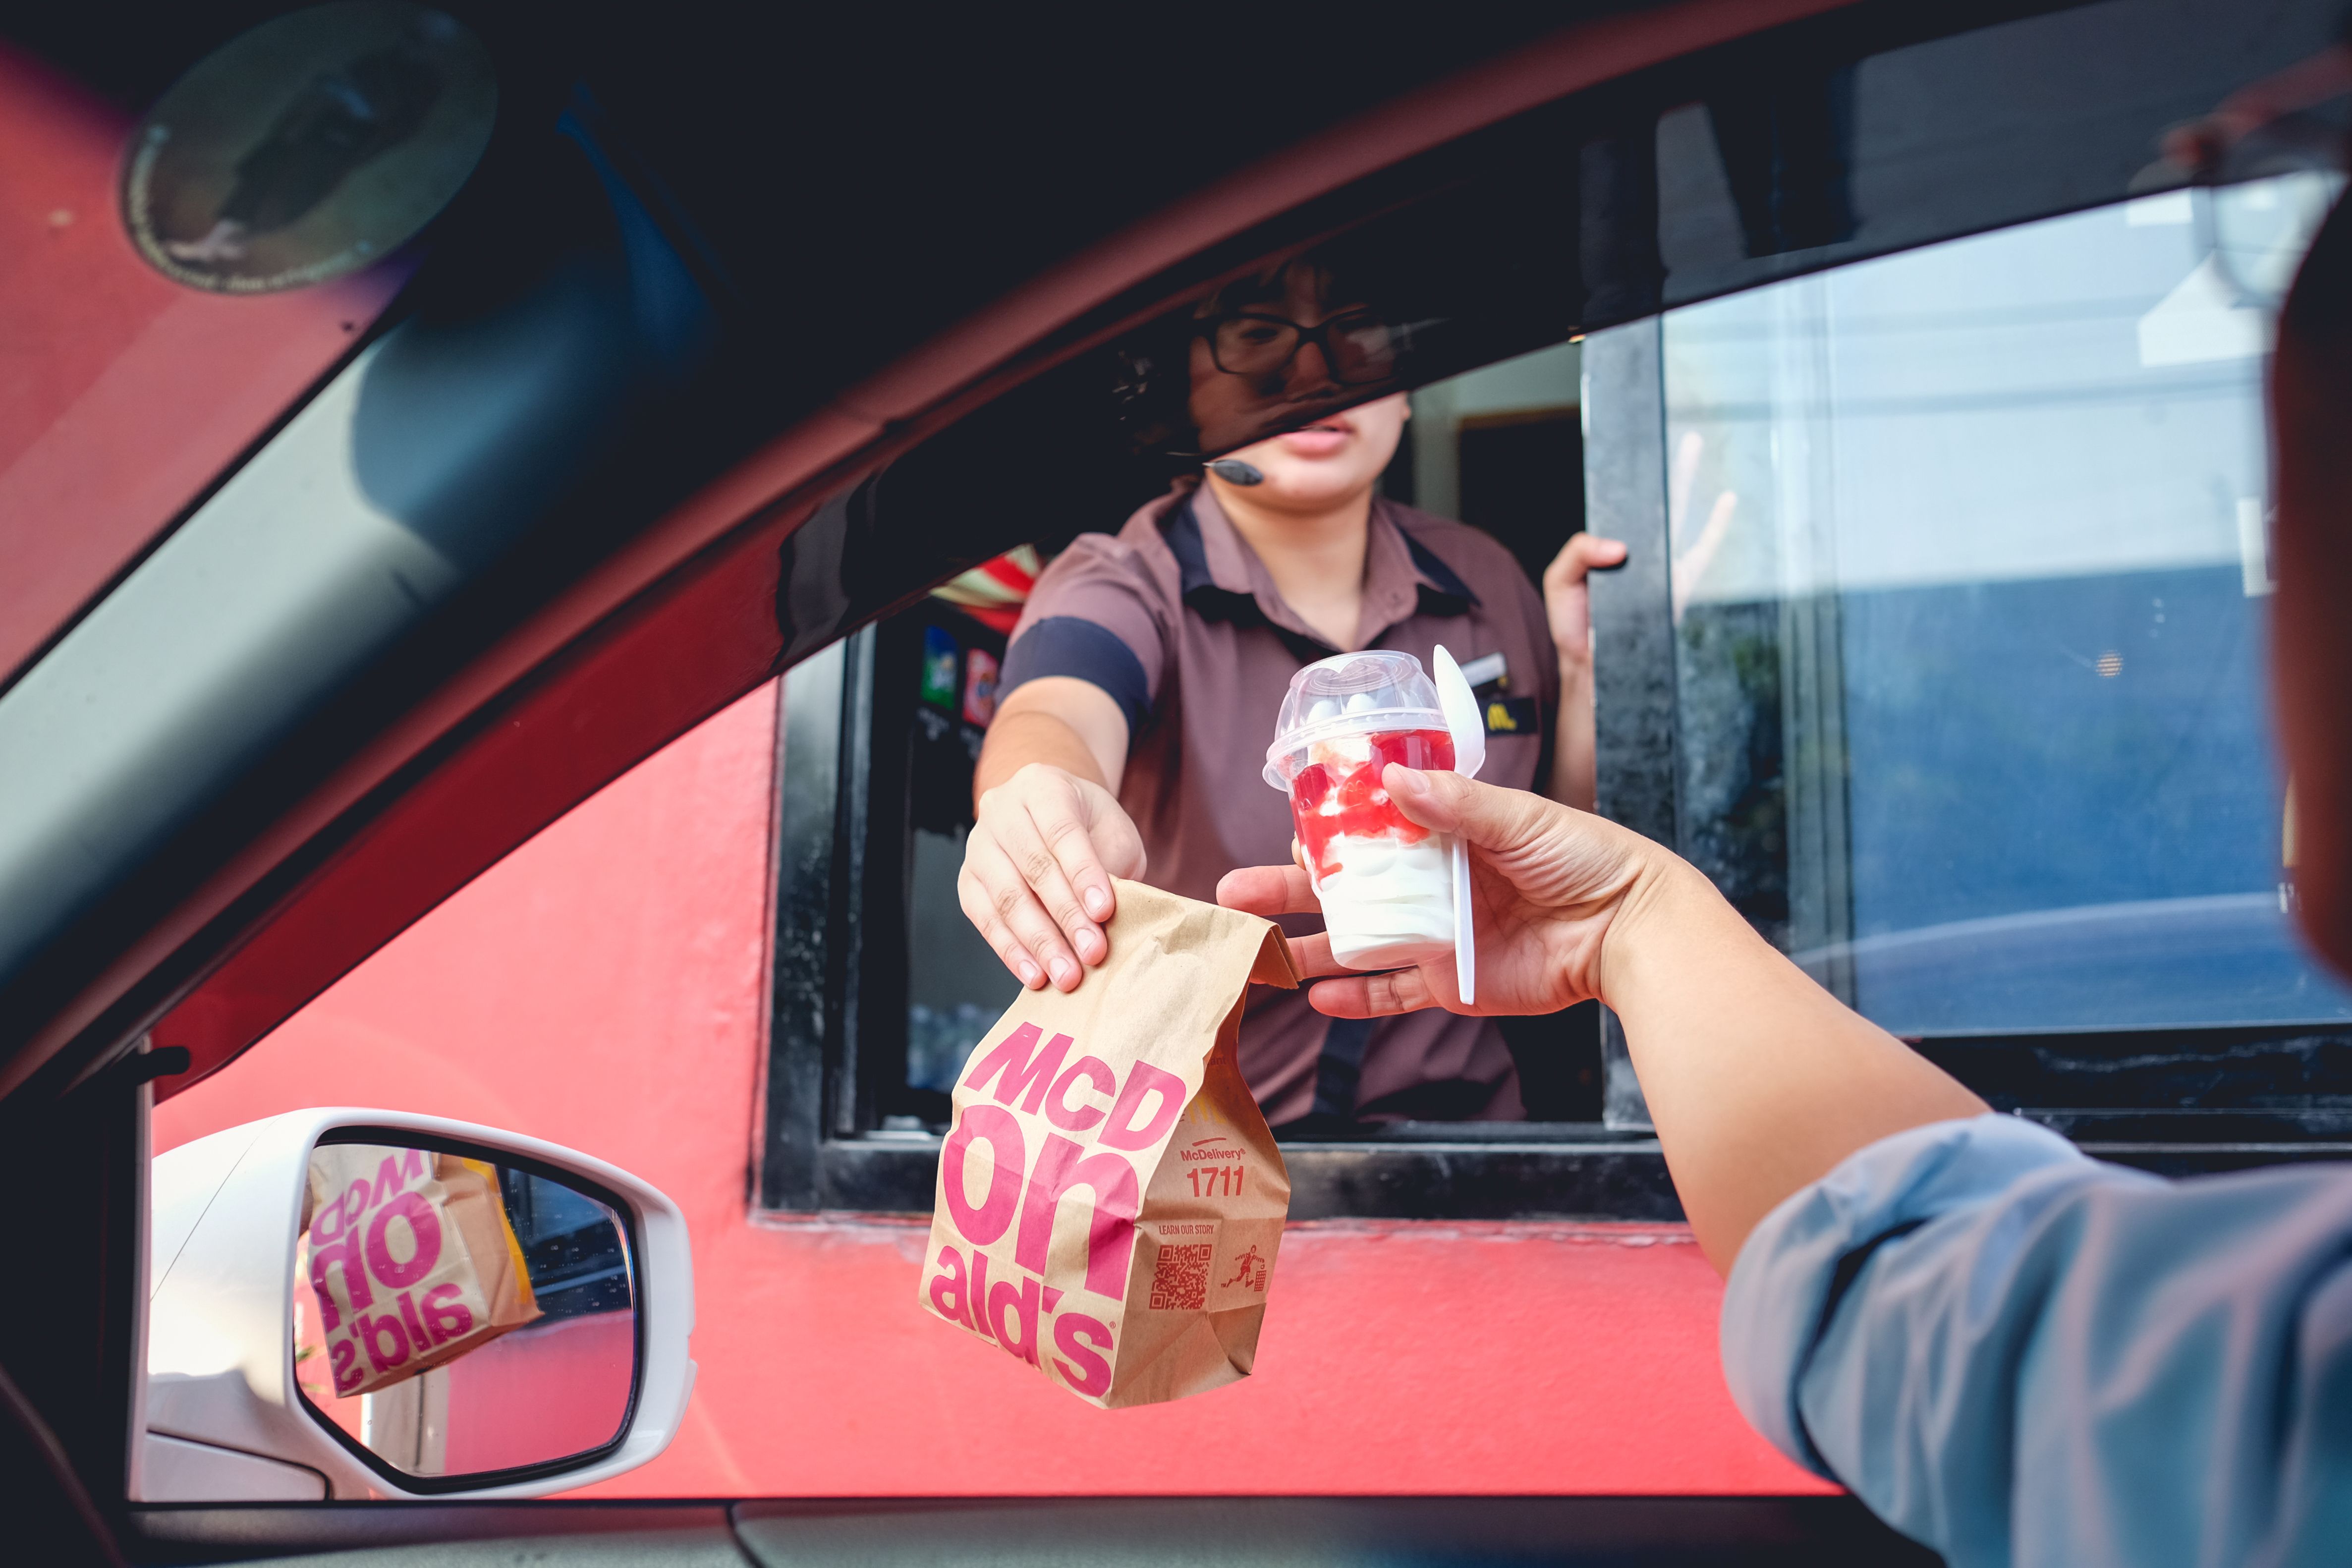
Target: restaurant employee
[{"x": 1141, "y": 686}]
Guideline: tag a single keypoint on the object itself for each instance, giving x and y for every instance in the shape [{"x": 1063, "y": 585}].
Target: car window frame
[
  {"x": 507, "y": 728},
  {"x": 357, "y": 859},
  {"x": 222, "y": 959}
]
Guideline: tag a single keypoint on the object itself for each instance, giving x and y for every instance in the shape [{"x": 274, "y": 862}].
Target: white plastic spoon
[{"x": 1468, "y": 729}]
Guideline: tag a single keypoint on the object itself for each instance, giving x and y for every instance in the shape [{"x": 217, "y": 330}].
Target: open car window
[
  {"x": 619, "y": 976},
  {"x": 1824, "y": 690}
]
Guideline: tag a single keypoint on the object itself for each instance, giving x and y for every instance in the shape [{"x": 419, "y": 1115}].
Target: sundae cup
[{"x": 1385, "y": 882}]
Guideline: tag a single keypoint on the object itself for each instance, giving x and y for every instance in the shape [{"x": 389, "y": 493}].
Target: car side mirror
[{"x": 371, "y": 1304}]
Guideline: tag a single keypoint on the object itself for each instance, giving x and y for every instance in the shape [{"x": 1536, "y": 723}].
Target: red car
[{"x": 512, "y": 522}]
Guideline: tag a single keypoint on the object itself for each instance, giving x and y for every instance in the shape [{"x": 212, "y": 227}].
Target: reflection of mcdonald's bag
[
  {"x": 1109, "y": 1198},
  {"x": 411, "y": 1259}
]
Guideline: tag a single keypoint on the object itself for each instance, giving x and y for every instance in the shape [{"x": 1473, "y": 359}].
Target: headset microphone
[{"x": 1233, "y": 471}]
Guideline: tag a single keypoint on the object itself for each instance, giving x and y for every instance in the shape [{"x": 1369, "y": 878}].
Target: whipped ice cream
[
  {"x": 1387, "y": 903},
  {"x": 1384, "y": 881}
]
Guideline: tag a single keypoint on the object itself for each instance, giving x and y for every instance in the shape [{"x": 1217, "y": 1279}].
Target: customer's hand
[
  {"x": 1758, "y": 1082},
  {"x": 1037, "y": 869},
  {"x": 1547, "y": 884}
]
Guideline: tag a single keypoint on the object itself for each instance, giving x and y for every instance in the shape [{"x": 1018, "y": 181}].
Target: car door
[{"x": 581, "y": 507}]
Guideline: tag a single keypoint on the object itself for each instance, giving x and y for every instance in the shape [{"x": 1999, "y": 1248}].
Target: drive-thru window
[{"x": 1940, "y": 651}]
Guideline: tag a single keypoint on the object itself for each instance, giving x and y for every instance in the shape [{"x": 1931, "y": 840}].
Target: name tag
[{"x": 1479, "y": 671}]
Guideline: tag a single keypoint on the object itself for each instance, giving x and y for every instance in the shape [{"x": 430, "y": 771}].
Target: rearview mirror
[{"x": 354, "y": 1303}]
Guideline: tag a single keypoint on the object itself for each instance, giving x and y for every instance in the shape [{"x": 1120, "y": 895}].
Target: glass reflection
[
  {"x": 453, "y": 1316},
  {"x": 1971, "y": 572},
  {"x": 1285, "y": 346}
]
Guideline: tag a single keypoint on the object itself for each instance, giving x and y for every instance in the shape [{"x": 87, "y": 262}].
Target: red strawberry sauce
[{"x": 1326, "y": 804}]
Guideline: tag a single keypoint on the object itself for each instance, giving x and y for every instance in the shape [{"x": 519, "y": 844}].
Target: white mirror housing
[{"x": 224, "y": 1420}]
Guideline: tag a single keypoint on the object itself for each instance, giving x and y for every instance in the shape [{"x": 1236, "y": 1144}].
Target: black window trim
[{"x": 822, "y": 1149}]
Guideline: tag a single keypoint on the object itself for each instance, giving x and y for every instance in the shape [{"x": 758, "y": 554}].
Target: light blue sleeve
[{"x": 2020, "y": 1355}]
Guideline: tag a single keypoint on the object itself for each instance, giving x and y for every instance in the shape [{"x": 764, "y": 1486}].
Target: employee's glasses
[{"x": 1357, "y": 347}]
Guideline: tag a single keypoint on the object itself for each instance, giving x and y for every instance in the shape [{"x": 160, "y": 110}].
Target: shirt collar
[{"x": 1222, "y": 577}]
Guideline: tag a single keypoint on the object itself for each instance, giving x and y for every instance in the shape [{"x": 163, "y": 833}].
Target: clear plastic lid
[{"x": 1365, "y": 693}]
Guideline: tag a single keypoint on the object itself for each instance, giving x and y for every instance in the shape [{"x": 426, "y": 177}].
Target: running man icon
[{"x": 1249, "y": 1269}]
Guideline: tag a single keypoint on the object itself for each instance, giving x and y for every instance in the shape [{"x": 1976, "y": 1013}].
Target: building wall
[{"x": 603, "y": 988}]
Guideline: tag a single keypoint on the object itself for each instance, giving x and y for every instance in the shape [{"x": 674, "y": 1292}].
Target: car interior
[{"x": 698, "y": 349}]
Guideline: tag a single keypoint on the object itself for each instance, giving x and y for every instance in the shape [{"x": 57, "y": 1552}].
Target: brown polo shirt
[{"x": 1178, "y": 620}]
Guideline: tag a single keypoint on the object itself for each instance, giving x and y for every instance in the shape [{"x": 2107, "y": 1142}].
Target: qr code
[{"x": 1179, "y": 1281}]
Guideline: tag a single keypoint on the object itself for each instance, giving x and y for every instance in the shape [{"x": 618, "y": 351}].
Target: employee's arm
[
  {"x": 1758, "y": 1080},
  {"x": 1050, "y": 833},
  {"x": 1567, "y": 608}
]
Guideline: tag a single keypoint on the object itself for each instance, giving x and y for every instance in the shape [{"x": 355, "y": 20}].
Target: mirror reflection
[
  {"x": 453, "y": 1316},
  {"x": 314, "y": 145}
]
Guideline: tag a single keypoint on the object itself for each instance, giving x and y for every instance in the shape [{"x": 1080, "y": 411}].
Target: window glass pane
[
  {"x": 1971, "y": 578},
  {"x": 935, "y": 694}
]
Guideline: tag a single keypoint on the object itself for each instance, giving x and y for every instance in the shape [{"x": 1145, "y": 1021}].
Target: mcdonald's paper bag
[
  {"x": 413, "y": 1261},
  {"x": 1111, "y": 1200}
]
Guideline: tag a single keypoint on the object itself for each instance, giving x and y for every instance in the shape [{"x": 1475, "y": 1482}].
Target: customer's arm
[
  {"x": 2019, "y": 1354},
  {"x": 2009, "y": 1351},
  {"x": 1757, "y": 1079}
]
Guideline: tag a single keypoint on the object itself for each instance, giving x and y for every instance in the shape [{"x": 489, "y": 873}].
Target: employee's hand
[
  {"x": 1546, "y": 885},
  {"x": 1568, "y": 603},
  {"x": 1037, "y": 869}
]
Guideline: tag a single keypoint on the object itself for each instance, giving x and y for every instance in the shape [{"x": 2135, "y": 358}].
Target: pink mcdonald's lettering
[
  {"x": 382, "y": 1353},
  {"x": 450, "y": 1316},
  {"x": 346, "y": 1255},
  {"x": 408, "y": 1320},
  {"x": 951, "y": 1296},
  {"x": 1009, "y": 1155},
  {"x": 345, "y": 1355},
  {"x": 1015, "y": 1069},
  {"x": 396, "y": 1172},
  {"x": 1013, "y": 1316},
  {"x": 1125, "y": 1131},
  {"x": 1074, "y": 1334},
  {"x": 979, "y": 1293},
  {"x": 1078, "y": 1118},
  {"x": 1110, "y": 1234},
  {"x": 424, "y": 1234}
]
